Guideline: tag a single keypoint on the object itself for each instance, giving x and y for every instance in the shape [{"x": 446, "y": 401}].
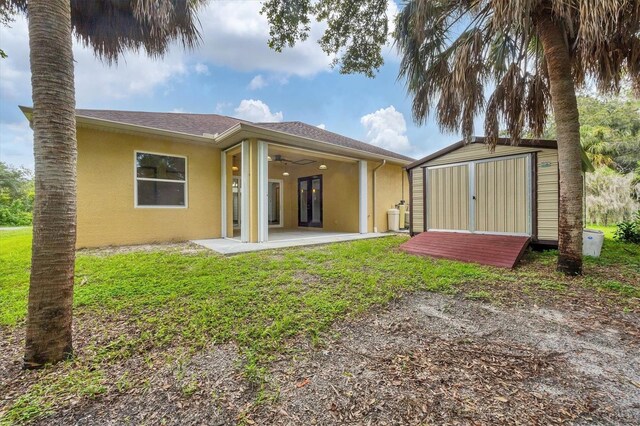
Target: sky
[{"x": 232, "y": 72}]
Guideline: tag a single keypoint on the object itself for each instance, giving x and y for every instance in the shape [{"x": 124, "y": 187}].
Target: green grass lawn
[{"x": 166, "y": 299}]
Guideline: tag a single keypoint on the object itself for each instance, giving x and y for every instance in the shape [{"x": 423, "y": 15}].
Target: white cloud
[
  {"x": 201, "y": 68},
  {"x": 387, "y": 129},
  {"x": 256, "y": 111},
  {"x": 257, "y": 82},
  {"x": 321, "y": 126},
  {"x": 134, "y": 75},
  {"x": 15, "y": 76},
  {"x": 235, "y": 34},
  {"x": 16, "y": 143},
  {"x": 389, "y": 50}
]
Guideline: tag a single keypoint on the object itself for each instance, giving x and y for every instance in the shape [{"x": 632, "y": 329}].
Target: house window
[{"x": 161, "y": 180}]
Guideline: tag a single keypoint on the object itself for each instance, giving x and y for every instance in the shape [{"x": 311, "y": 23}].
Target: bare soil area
[
  {"x": 424, "y": 359},
  {"x": 177, "y": 247}
]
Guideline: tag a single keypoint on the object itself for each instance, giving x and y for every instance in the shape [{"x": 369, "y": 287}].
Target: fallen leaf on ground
[{"x": 303, "y": 383}]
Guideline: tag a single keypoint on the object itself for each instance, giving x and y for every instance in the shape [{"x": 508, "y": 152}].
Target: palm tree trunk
[
  {"x": 48, "y": 334},
  {"x": 565, "y": 108}
]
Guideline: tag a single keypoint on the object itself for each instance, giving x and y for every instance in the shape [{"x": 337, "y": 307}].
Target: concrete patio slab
[{"x": 280, "y": 240}]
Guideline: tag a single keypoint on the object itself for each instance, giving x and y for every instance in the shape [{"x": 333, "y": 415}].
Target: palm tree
[
  {"x": 110, "y": 27},
  {"x": 597, "y": 144},
  {"x": 531, "y": 54}
]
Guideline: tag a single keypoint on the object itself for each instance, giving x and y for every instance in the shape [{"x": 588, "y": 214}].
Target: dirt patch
[
  {"x": 438, "y": 359},
  {"x": 425, "y": 359},
  {"x": 178, "y": 248},
  {"x": 207, "y": 389}
]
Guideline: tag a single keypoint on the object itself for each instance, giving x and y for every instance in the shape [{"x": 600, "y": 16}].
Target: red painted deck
[{"x": 495, "y": 250}]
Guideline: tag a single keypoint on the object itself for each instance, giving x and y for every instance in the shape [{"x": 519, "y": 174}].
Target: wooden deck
[{"x": 496, "y": 250}]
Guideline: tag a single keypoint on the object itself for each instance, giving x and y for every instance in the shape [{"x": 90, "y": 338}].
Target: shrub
[
  {"x": 16, "y": 196},
  {"x": 629, "y": 231}
]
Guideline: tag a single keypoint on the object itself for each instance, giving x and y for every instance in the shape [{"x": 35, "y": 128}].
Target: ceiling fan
[{"x": 301, "y": 162}]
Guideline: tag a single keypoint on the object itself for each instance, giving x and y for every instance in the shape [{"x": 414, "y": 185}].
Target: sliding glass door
[
  {"x": 275, "y": 203},
  {"x": 237, "y": 198},
  {"x": 310, "y": 201}
]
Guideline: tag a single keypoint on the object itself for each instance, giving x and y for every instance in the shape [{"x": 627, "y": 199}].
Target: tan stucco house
[{"x": 152, "y": 177}]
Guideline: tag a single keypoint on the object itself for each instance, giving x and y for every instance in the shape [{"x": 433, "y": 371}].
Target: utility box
[
  {"x": 592, "y": 242},
  {"x": 393, "y": 218}
]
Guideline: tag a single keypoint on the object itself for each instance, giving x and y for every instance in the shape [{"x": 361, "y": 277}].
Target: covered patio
[
  {"x": 274, "y": 194},
  {"x": 284, "y": 239}
]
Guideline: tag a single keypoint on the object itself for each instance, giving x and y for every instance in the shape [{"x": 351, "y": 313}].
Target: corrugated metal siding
[
  {"x": 502, "y": 204},
  {"x": 478, "y": 151},
  {"x": 417, "y": 200},
  {"x": 547, "y": 185},
  {"x": 448, "y": 198},
  {"x": 547, "y": 195}
]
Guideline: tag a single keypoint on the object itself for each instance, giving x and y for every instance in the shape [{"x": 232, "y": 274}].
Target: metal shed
[{"x": 466, "y": 187}]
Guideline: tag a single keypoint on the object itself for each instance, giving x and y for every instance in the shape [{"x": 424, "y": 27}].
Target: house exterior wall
[
  {"x": 106, "y": 212},
  {"x": 546, "y": 185},
  {"x": 392, "y": 185},
  {"x": 106, "y": 189}
]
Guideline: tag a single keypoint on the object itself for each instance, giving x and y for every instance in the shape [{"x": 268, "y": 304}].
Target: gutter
[{"x": 375, "y": 229}]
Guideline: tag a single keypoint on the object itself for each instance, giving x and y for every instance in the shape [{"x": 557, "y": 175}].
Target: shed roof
[{"x": 524, "y": 142}]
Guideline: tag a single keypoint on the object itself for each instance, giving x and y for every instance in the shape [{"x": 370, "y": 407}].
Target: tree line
[{"x": 16, "y": 195}]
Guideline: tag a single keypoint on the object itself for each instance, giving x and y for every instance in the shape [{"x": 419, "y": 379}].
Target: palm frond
[
  {"x": 110, "y": 27},
  {"x": 447, "y": 73}
]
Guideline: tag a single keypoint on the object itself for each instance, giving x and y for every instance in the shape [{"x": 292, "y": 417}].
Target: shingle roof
[
  {"x": 313, "y": 132},
  {"x": 198, "y": 124},
  {"x": 194, "y": 124}
]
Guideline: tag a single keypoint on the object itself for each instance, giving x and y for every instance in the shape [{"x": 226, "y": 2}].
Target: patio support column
[
  {"x": 253, "y": 236},
  {"x": 223, "y": 194},
  {"x": 263, "y": 192},
  {"x": 362, "y": 198},
  {"x": 245, "y": 192}
]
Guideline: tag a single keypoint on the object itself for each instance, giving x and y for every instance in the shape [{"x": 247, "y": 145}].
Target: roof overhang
[
  {"x": 230, "y": 137},
  {"x": 102, "y": 124},
  {"x": 242, "y": 131}
]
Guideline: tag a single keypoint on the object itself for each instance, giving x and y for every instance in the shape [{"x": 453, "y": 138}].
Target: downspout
[{"x": 375, "y": 229}]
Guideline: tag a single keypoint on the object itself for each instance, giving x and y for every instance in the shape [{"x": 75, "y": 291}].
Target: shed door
[
  {"x": 448, "y": 198},
  {"x": 502, "y": 196}
]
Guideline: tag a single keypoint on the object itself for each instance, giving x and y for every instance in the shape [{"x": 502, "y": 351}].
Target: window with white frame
[{"x": 161, "y": 180}]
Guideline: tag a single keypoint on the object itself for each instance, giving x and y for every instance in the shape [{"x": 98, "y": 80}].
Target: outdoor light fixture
[
  {"x": 268, "y": 158},
  {"x": 285, "y": 174},
  {"x": 323, "y": 167},
  {"x": 234, "y": 168}
]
